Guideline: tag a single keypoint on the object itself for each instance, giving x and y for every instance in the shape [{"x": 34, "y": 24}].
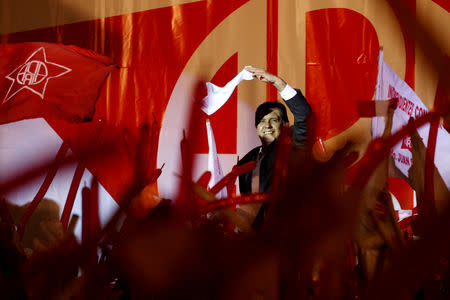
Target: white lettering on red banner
[{"x": 34, "y": 75}]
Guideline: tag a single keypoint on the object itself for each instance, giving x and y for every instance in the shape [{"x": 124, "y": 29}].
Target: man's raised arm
[{"x": 293, "y": 98}]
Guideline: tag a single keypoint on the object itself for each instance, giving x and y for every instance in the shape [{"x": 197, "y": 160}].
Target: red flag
[{"x": 50, "y": 80}]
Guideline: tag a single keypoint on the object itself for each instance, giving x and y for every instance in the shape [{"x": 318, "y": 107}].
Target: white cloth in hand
[{"x": 218, "y": 96}]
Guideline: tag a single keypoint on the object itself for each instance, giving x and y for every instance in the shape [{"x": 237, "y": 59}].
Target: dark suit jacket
[{"x": 300, "y": 109}]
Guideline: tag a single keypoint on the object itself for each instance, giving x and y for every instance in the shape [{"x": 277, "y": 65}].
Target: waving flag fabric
[
  {"x": 218, "y": 96},
  {"x": 164, "y": 46},
  {"x": 390, "y": 85},
  {"x": 213, "y": 162},
  {"x": 50, "y": 80}
]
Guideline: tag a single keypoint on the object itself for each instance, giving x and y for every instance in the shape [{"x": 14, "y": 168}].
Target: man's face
[{"x": 268, "y": 129}]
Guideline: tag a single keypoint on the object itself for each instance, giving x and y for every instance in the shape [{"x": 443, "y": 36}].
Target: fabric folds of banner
[
  {"x": 48, "y": 80},
  {"x": 390, "y": 85},
  {"x": 213, "y": 162}
]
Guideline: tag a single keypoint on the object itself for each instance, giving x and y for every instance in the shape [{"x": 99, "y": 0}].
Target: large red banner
[{"x": 155, "y": 49}]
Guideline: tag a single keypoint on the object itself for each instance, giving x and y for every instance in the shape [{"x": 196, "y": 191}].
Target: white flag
[
  {"x": 390, "y": 85},
  {"x": 218, "y": 96},
  {"x": 213, "y": 162}
]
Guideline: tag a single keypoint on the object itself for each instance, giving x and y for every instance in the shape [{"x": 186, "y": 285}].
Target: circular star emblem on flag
[{"x": 34, "y": 75}]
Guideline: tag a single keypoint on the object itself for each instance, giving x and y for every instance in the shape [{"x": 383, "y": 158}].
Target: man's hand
[{"x": 265, "y": 76}]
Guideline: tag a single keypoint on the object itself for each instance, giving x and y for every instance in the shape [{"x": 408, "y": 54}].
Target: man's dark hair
[{"x": 267, "y": 107}]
